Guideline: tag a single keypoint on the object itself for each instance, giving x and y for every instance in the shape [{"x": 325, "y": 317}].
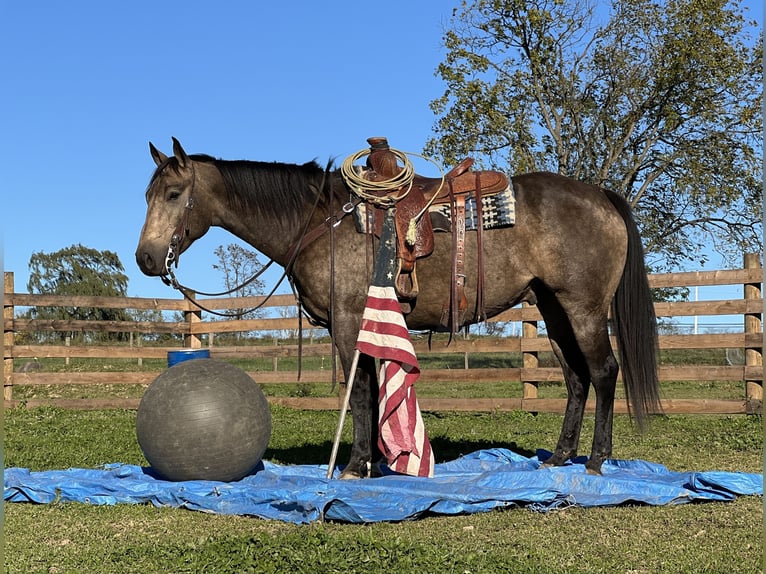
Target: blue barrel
[{"x": 175, "y": 357}]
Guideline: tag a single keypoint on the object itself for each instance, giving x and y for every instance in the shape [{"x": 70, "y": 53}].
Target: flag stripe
[
  {"x": 377, "y": 333},
  {"x": 384, "y": 298},
  {"x": 385, "y": 352}
]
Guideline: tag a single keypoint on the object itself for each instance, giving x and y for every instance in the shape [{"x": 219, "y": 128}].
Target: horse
[{"x": 574, "y": 251}]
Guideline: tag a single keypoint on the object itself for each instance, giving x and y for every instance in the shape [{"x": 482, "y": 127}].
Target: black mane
[{"x": 271, "y": 188}]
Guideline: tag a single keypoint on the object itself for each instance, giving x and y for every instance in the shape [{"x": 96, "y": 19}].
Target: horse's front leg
[{"x": 364, "y": 412}]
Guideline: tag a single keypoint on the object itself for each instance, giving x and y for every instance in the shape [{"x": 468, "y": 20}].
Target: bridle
[
  {"x": 307, "y": 237},
  {"x": 182, "y": 231}
]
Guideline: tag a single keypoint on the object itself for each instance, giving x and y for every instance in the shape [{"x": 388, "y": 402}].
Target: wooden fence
[{"x": 193, "y": 330}]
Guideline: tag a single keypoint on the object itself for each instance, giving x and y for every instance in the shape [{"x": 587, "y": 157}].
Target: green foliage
[
  {"x": 78, "y": 270},
  {"x": 659, "y": 101}
]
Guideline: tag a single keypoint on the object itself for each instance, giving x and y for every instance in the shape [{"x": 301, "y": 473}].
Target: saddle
[{"x": 415, "y": 232}]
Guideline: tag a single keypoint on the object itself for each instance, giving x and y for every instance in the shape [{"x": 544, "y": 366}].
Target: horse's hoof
[
  {"x": 349, "y": 474},
  {"x": 557, "y": 460},
  {"x": 363, "y": 470},
  {"x": 360, "y": 470},
  {"x": 593, "y": 468}
]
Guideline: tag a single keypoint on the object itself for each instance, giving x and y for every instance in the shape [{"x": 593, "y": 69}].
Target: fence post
[
  {"x": 192, "y": 315},
  {"x": 8, "y": 336},
  {"x": 529, "y": 359},
  {"x": 275, "y": 359},
  {"x": 753, "y": 327}
]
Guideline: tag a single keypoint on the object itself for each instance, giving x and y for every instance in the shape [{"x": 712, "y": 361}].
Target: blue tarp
[{"x": 482, "y": 481}]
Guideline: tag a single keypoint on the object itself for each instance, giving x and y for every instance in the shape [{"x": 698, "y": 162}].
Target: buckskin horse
[{"x": 574, "y": 251}]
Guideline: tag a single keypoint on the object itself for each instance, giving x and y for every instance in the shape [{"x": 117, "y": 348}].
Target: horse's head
[{"x": 172, "y": 220}]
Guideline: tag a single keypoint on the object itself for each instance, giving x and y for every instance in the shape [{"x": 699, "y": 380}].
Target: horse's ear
[
  {"x": 179, "y": 152},
  {"x": 157, "y": 155}
]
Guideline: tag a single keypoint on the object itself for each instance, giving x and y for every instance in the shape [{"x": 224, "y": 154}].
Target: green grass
[
  {"x": 460, "y": 390},
  {"x": 456, "y": 390},
  {"x": 695, "y": 538},
  {"x": 496, "y": 360}
]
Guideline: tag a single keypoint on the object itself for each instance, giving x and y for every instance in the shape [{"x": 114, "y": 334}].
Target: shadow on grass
[{"x": 444, "y": 450}]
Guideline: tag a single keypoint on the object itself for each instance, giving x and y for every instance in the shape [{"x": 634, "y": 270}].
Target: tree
[
  {"x": 239, "y": 266},
  {"x": 657, "y": 100},
  {"x": 78, "y": 271},
  {"x": 155, "y": 316}
]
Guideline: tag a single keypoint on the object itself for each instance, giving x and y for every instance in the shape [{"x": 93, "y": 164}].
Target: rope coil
[{"x": 370, "y": 191}]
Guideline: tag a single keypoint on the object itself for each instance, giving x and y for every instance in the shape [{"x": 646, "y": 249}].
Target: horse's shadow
[{"x": 444, "y": 450}]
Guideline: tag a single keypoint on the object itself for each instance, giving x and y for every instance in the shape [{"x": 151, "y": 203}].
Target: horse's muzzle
[{"x": 148, "y": 264}]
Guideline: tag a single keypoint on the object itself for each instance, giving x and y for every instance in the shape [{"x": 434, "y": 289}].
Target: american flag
[{"x": 384, "y": 335}]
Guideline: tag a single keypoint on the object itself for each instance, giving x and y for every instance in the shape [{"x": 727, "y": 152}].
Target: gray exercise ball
[{"x": 203, "y": 419}]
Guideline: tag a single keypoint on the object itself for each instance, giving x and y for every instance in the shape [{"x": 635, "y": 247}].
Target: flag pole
[{"x": 344, "y": 408}]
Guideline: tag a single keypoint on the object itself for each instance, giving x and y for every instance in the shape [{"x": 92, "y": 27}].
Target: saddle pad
[{"x": 498, "y": 210}]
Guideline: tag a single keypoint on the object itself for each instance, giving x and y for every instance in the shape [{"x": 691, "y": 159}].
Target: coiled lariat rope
[
  {"x": 367, "y": 189},
  {"x": 380, "y": 193}
]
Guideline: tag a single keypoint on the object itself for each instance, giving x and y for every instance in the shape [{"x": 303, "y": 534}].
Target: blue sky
[{"x": 88, "y": 84}]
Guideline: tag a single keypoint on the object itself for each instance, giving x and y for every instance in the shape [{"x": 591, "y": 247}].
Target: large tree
[
  {"x": 74, "y": 271},
  {"x": 657, "y": 100}
]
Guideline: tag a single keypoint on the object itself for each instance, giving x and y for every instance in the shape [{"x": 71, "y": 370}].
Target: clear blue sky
[{"x": 87, "y": 84}]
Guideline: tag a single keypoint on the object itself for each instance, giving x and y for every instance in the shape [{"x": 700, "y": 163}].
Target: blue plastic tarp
[{"x": 479, "y": 482}]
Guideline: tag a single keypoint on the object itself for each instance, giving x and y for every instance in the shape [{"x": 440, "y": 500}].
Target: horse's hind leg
[
  {"x": 576, "y": 376},
  {"x": 603, "y": 369},
  {"x": 577, "y": 395},
  {"x": 580, "y": 341},
  {"x": 593, "y": 339}
]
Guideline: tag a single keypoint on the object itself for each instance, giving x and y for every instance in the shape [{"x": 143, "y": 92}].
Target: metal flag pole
[{"x": 342, "y": 420}]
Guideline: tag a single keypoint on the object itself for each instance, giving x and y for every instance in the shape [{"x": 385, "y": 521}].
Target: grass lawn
[{"x": 695, "y": 538}]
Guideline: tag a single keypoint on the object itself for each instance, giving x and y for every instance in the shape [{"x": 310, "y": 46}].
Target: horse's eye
[{"x": 173, "y": 194}]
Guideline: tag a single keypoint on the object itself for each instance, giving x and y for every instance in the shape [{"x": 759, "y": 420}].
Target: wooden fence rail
[{"x": 192, "y": 331}]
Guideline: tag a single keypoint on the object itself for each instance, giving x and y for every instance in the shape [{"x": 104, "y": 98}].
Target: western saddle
[{"x": 458, "y": 185}]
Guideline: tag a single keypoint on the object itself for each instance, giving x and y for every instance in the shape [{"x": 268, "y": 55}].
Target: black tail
[{"x": 636, "y": 324}]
